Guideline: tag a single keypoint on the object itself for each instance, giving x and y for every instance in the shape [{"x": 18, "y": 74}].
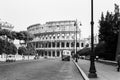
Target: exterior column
[
  {"x": 55, "y": 53},
  {"x": 70, "y": 45},
  {"x": 51, "y": 45},
  {"x": 55, "y": 44},
  {"x": 65, "y": 43},
  {"x": 60, "y": 45},
  {"x": 47, "y": 53},
  {"x": 51, "y": 54},
  {"x": 60, "y": 53}
]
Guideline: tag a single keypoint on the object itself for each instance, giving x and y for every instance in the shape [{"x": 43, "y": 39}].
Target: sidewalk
[{"x": 104, "y": 71}]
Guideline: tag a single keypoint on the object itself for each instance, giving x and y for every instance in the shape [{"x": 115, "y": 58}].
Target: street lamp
[
  {"x": 92, "y": 70},
  {"x": 76, "y": 60}
]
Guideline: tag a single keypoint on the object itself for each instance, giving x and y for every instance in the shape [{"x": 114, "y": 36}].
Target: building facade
[
  {"x": 53, "y": 37},
  {"x": 6, "y": 25}
]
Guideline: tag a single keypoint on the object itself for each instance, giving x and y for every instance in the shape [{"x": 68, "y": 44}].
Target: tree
[
  {"x": 7, "y": 47},
  {"x": 9, "y": 34},
  {"x": 85, "y": 51},
  {"x": 4, "y": 32},
  {"x": 10, "y": 48},
  {"x": 2, "y": 46},
  {"x": 22, "y": 50},
  {"x": 31, "y": 50},
  {"x": 100, "y": 50},
  {"x": 108, "y": 32}
]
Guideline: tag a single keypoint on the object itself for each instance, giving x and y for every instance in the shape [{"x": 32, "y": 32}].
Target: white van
[{"x": 66, "y": 54}]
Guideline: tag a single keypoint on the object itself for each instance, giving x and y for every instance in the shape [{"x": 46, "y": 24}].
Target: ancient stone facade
[{"x": 53, "y": 37}]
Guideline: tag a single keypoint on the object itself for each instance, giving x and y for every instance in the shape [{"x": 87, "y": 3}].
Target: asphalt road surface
[{"x": 43, "y": 69}]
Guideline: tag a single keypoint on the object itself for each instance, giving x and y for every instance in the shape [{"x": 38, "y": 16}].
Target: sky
[{"x": 23, "y": 13}]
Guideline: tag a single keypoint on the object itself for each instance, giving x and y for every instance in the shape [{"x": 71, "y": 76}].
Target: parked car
[
  {"x": 36, "y": 57},
  {"x": 10, "y": 58},
  {"x": 45, "y": 57}
]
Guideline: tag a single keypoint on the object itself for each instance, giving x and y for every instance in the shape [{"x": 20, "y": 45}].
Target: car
[
  {"x": 36, "y": 57},
  {"x": 45, "y": 57},
  {"x": 10, "y": 58}
]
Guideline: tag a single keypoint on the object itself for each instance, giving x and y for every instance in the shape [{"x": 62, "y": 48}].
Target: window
[
  {"x": 53, "y": 37},
  {"x": 46, "y": 45},
  {"x": 49, "y": 45},
  {"x": 58, "y": 44},
  {"x": 58, "y": 37},
  {"x": 67, "y": 45},
  {"x": 42, "y": 54},
  {"x": 77, "y": 44},
  {"x": 49, "y": 53},
  {"x": 53, "y": 53},
  {"x": 45, "y": 53},
  {"x": 58, "y": 53},
  {"x": 53, "y": 44},
  {"x": 63, "y": 44},
  {"x": 82, "y": 45},
  {"x": 72, "y": 44},
  {"x": 63, "y": 36}
]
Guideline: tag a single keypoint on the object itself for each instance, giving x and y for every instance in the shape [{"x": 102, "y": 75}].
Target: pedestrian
[{"x": 118, "y": 63}]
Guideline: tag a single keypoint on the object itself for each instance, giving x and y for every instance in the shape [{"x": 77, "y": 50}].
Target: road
[{"x": 43, "y": 69}]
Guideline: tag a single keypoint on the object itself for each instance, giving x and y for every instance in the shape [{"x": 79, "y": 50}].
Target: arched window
[
  {"x": 53, "y": 44},
  {"x": 67, "y": 45},
  {"x": 49, "y": 44},
  {"x": 72, "y": 44},
  {"x": 77, "y": 45},
  {"x": 58, "y": 53},
  {"x": 45, "y": 53},
  {"x": 49, "y": 53},
  {"x": 42, "y": 53},
  {"x": 82, "y": 44},
  {"x": 53, "y": 53},
  {"x": 46, "y": 45},
  {"x": 62, "y": 44},
  {"x": 58, "y": 44}
]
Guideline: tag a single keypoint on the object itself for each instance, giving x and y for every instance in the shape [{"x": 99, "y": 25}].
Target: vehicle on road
[
  {"x": 10, "y": 58},
  {"x": 36, "y": 57},
  {"x": 45, "y": 57},
  {"x": 66, "y": 54}
]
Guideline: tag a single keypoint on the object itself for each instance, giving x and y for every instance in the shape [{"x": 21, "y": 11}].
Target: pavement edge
[{"x": 81, "y": 71}]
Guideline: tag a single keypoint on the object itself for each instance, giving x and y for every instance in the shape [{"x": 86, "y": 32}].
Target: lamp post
[
  {"x": 92, "y": 70},
  {"x": 76, "y": 60},
  {"x": 75, "y": 33}
]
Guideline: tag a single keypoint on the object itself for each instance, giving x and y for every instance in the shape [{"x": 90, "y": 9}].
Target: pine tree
[{"x": 108, "y": 32}]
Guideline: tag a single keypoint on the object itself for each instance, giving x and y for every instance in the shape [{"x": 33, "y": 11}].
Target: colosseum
[{"x": 53, "y": 37}]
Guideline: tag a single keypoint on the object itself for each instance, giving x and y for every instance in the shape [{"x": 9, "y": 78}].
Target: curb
[
  {"x": 107, "y": 62},
  {"x": 81, "y": 71}
]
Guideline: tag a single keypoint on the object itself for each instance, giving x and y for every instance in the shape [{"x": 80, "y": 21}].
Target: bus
[{"x": 66, "y": 54}]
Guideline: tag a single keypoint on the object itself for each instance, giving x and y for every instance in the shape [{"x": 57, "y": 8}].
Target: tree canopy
[
  {"x": 8, "y": 47},
  {"x": 22, "y": 50},
  {"x": 108, "y": 31},
  {"x": 22, "y": 35}
]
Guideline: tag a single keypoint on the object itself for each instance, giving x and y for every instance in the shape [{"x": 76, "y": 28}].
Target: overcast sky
[{"x": 22, "y": 13}]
